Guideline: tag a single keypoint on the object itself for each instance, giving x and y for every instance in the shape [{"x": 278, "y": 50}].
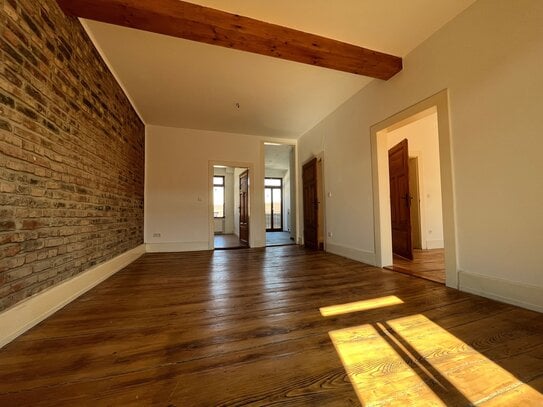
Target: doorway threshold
[{"x": 426, "y": 264}]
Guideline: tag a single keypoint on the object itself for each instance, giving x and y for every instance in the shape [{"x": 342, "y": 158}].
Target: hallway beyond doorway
[
  {"x": 278, "y": 239},
  {"x": 427, "y": 264},
  {"x": 228, "y": 241}
]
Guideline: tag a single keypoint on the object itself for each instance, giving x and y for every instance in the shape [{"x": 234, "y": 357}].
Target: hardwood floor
[
  {"x": 228, "y": 241},
  {"x": 428, "y": 264},
  {"x": 279, "y": 326}
]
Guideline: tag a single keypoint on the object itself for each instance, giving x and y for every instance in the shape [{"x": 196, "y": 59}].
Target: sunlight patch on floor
[
  {"x": 474, "y": 375},
  {"x": 380, "y": 376},
  {"x": 413, "y": 361},
  {"x": 358, "y": 306}
]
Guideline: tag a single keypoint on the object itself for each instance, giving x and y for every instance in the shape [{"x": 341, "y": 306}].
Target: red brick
[{"x": 65, "y": 167}]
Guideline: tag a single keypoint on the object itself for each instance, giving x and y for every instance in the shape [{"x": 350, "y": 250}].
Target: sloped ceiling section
[{"x": 180, "y": 83}]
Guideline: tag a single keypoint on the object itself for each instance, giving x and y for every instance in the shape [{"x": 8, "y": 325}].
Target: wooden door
[
  {"x": 244, "y": 208},
  {"x": 400, "y": 200},
  {"x": 310, "y": 205}
]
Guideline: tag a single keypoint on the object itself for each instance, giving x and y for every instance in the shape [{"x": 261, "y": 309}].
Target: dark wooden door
[
  {"x": 311, "y": 205},
  {"x": 244, "y": 208},
  {"x": 400, "y": 200}
]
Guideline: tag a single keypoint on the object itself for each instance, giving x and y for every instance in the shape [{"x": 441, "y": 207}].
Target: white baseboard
[
  {"x": 351, "y": 253},
  {"x": 176, "y": 247},
  {"x": 23, "y": 316},
  {"x": 259, "y": 243},
  {"x": 510, "y": 292},
  {"x": 435, "y": 244}
]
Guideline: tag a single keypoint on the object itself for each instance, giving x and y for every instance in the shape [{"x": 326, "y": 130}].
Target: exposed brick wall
[{"x": 71, "y": 153}]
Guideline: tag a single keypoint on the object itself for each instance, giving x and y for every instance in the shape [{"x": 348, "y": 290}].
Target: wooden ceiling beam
[{"x": 197, "y": 23}]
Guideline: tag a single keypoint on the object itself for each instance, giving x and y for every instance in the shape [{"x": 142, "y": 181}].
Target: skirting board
[
  {"x": 176, "y": 247},
  {"x": 510, "y": 292},
  {"x": 351, "y": 253},
  {"x": 19, "y": 319},
  {"x": 435, "y": 244}
]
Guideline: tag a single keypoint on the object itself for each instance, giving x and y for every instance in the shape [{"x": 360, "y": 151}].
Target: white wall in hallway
[
  {"x": 178, "y": 194},
  {"x": 489, "y": 58}
]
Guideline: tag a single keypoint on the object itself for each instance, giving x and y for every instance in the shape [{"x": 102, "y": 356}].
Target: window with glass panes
[
  {"x": 273, "y": 204},
  {"x": 218, "y": 196}
]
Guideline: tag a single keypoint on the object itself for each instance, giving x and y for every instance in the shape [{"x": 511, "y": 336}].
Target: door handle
[{"x": 408, "y": 199}]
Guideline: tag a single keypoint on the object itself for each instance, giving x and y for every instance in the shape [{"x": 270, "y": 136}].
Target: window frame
[
  {"x": 223, "y": 186},
  {"x": 272, "y": 187}
]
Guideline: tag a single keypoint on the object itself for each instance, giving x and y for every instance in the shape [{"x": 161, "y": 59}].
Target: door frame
[
  {"x": 421, "y": 226},
  {"x": 381, "y": 190},
  {"x": 211, "y": 224}
]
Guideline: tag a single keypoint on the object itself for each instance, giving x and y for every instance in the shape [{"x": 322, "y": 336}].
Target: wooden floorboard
[
  {"x": 243, "y": 327},
  {"x": 427, "y": 264}
]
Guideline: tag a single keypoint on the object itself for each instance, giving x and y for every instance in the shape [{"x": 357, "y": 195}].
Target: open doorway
[
  {"x": 415, "y": 197},
  {"x": 280, "y": 194},
  {"x": 441, "y": 238},
  {"x": 230, "y": 207}
]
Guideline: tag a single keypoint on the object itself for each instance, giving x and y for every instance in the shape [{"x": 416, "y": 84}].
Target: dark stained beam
[{"x": 197, "y": 23}]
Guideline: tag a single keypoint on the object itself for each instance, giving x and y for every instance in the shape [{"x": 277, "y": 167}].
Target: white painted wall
[
  {"x": 178, "y": 189},
  {"x": 275, "y": 173},
  {"x": 229, "y": 200},
  {"x": 422, "y": 137},
  {"x": 489, "y": 58},
  {"x": 293, "y": 203},
  {"x": 286, "y": 201}
]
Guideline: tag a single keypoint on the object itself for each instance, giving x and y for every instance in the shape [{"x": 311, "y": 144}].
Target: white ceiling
[
  {"x": 277, "y": 157},
  {"x": 179, "y": 83}
]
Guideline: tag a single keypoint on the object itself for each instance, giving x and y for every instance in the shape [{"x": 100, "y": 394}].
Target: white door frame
[{"x": 381, "y": 190}]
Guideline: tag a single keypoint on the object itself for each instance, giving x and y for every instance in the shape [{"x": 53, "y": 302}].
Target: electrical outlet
[
  {"x": 156, "y": 234},
  {"x": 330, "y": 234}
]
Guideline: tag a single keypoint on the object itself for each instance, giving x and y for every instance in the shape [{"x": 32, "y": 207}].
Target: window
[
  {"x": 218, "y": 196},
  {"x": 273, "y": 203},
  {"x": 272, "y": 182}
]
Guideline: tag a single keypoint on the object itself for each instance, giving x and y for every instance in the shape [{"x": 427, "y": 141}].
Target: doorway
[
  {"x": 273, "y": 204},
  {"x": 280, "y": 194},
  {"x": 436, "y": 253},
  {"x": 230, "y": 207},
  {"x": 400, "y": 200},
  {"x": 417, "y": 250}
]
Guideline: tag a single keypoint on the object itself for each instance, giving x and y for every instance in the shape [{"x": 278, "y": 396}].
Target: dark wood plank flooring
[
  {"x": 227, "y": 241},
  {"x": 245, "y": 327},
  {"x": 428, "y": 264}
]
